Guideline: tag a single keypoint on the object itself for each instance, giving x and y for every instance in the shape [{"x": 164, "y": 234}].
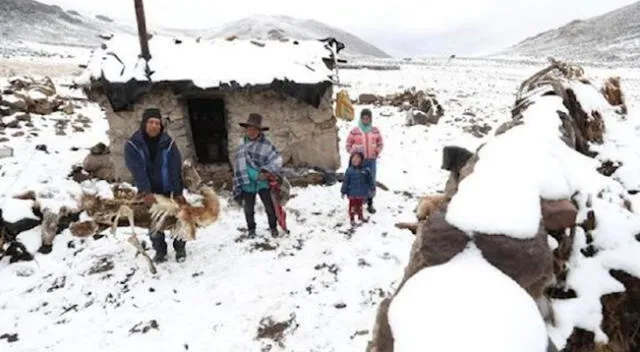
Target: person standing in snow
[
  {"x": 368, "y": 139},
  {"x": 357, "y": 186},
  {"x": 254, "y": 160},
  {"x": 155, "y": 162}
]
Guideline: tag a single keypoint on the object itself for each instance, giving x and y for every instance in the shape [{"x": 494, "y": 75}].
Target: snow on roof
[{"x": 209, "y": 63}]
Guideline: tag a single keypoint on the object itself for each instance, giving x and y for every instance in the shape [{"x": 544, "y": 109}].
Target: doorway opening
[{"x": 209, "y": 130}]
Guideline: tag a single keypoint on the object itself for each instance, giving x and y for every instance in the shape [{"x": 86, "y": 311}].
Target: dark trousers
[
  {"x": 372, "y": 165},
  {"x": 160, "y": 244},
  {"x": 250, "y": 206}
]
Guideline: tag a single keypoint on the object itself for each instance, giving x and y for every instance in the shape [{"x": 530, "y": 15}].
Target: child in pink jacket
[{"x": 367, "y": 139}]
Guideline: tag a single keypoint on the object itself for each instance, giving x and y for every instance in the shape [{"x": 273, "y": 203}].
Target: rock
[
  {"x": 608, "y": 167},
  {"x": 20, "y": 83},
  {"x": 22, "y": 116},
  {"x": 44, "y": 106},
  {"x": 527, "y": 261},
  {"x": 478, "y": 131},
  {"x": 368, "y": 99},
  {"x": 16, "y": 103},
  {"x": 68, "y": 109},
  {"x": 47, "y": 89},
  {"x": 558, "y": 214},
  {"x": 13, "y": 124},
  {"x": 18, "y": 134},
  {"x": 613, "y": 93},
  {"x": 60, "y": 132},
  {"x": 77, "y": 129},
  {"x": 82, "y": 118},
  {"x": 4, "y": 139},
  {"x": 4, "y": 110},
  {"x": 95, "y": 162},
  {"x": 99, "y": 149}
]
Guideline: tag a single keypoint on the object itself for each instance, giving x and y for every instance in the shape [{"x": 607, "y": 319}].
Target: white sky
[{"x": 403, "y": 28}]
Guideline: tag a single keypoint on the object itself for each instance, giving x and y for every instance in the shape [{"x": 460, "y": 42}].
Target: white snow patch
[{"x": 465, "y": 305}]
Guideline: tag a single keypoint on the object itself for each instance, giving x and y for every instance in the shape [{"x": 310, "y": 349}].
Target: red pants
[
  {"x": 282, "y": 216},
  {"x": 355, "y": 208}
]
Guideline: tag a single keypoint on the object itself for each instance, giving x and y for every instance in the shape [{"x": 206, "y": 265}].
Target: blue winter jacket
[
  {"x": 357, "y": 183},
  {"x": 162, "y": 175}
]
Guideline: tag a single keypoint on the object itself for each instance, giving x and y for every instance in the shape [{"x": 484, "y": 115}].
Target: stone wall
[
  {"x": 123, "y": 124},
  {"x": 305, "y": 135}
]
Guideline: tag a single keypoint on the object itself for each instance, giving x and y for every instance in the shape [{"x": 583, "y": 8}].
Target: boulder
[
  {"x": 15, "y": 102},
  {"x": 558, "y": 214},
  {"x": 368, "y": 98}
]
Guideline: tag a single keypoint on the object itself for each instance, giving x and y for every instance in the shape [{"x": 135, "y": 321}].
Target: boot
[
  {"x": 181, "y": 252},
  {"x": 160, "y": 246},
  {"x": 251, "y": 233},
  {"x": 274, "y": 233},
  {"x": 370, "y": 207}
]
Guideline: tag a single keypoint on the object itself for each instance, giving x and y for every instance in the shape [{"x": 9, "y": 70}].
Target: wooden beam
[{"x": 142, "y": 30}]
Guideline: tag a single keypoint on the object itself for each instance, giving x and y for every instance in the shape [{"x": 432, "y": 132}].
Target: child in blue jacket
[{"x": 357, "y": 185}]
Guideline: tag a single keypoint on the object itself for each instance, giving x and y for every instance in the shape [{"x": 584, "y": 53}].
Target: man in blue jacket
[{"x": 154, "y": 160}]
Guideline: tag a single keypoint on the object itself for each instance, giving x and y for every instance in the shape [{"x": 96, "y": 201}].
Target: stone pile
[
  {"x": 26, "y": 96},
  {"x": 422, "y": 108}
]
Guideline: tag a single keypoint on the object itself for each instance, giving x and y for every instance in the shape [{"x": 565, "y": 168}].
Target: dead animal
[{"x": 180, "y": 219}]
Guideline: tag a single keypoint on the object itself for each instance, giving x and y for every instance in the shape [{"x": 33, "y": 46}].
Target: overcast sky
[{"x": 402, "y": 28}]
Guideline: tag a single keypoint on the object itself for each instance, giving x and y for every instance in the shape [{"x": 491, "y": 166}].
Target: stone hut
[{"x": 205, "y": 88}]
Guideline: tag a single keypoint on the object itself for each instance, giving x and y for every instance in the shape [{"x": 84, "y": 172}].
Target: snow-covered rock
[{"x": 464, "y": 305}]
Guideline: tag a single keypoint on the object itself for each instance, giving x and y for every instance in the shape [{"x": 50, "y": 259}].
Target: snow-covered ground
[{"x": 323, "y": 282}]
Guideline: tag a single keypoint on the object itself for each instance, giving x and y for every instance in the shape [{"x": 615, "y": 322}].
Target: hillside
[
  {"x": 614, "y": 36},
  {"x": 277, "y": 27},
  {"x": 29, "y": 20},
  {"x": 27, "y": 24}
]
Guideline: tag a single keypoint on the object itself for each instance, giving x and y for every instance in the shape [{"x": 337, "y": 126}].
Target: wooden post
[{"x": 142, "y": 30}]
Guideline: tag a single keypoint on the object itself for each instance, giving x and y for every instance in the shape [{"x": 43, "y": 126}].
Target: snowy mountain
[
  {"x": 278, "y": 27},
  {"x": 32, "y": 21},
  {"x": 32, "y": 28},
  {"x": 614, "y": 36}
]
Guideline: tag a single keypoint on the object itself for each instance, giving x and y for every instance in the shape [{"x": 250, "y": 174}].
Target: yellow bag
[{"x": 344, "y": 108}]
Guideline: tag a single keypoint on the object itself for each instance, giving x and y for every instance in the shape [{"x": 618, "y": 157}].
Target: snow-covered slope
[
  {"x": 277, "y": 27},
  {"x": 614, "y": 36},
  {"x": 31, "y": 28},
  {"x": 321, "y": 282},
  {"x": 29, "y": 20}
]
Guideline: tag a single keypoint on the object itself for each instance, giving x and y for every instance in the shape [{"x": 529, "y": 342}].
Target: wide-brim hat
[{"x": 254, "y": 120}]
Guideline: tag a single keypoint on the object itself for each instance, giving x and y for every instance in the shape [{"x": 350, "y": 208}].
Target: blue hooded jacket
[
  {"x": 358, "y": 181},
  {"x": 163, "y": 175}
]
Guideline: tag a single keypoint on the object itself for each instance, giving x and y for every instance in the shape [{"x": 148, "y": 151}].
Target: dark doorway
[{"x": 209, "y": 130}]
